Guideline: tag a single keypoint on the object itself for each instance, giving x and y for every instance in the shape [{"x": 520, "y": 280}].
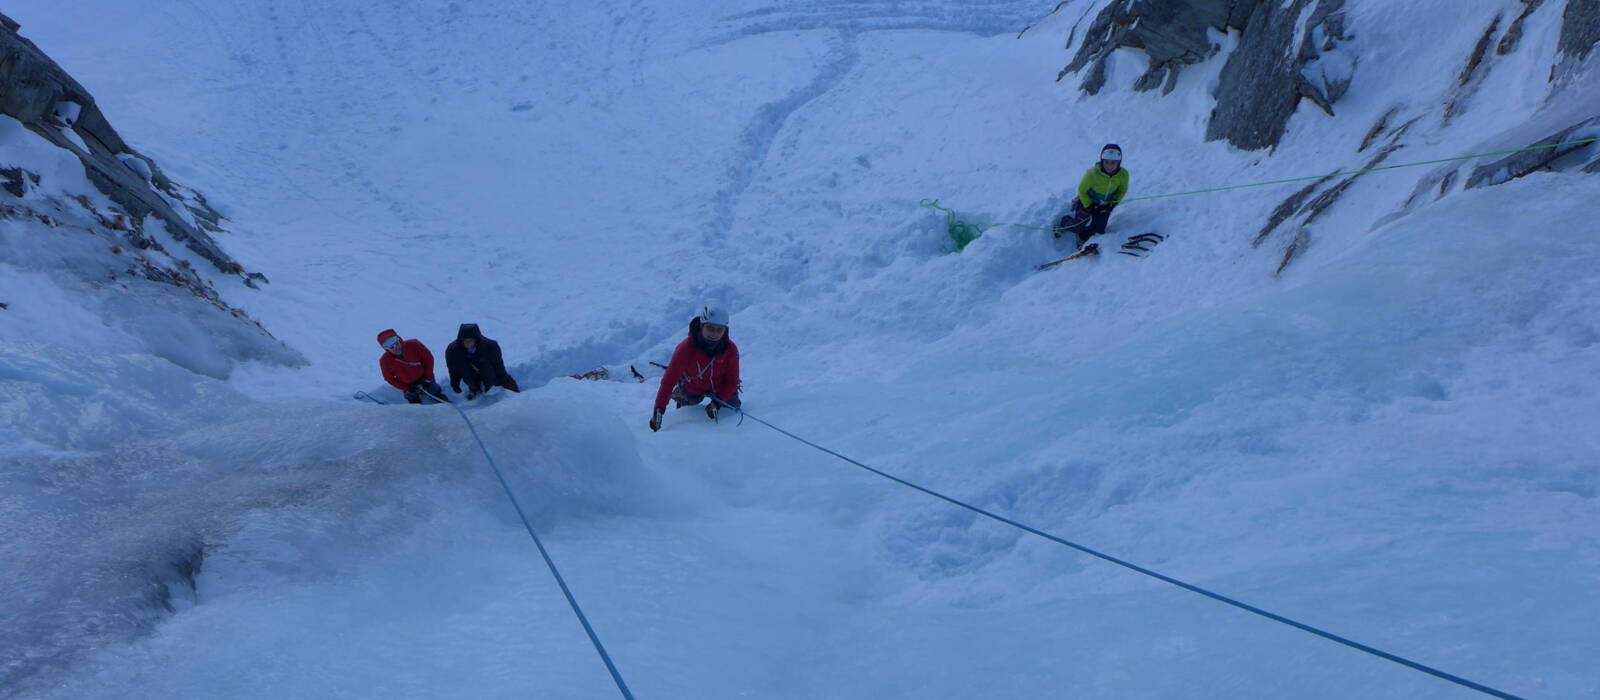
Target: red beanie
[{"x": 387, "y": 334}]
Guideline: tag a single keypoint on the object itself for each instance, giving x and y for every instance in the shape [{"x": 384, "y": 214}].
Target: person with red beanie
[
  {"x": 408, "y": 366},
  {"x": 705, "y": 363}
]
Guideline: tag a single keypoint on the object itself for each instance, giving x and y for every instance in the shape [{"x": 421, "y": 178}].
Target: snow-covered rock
[
  {"x": 1580, "y": 32},
  {"x": 1172, "y": 33},
  {"x": 1286, "y": 51},
  {"x": 87, "y": 222},
  {"x": 35, "y": 91}
]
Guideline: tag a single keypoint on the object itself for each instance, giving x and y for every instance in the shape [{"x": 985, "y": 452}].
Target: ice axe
[{"x": 1088, "y": 250}]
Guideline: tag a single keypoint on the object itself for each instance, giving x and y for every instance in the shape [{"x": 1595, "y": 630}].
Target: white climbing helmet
[{"x": 714, "y": 314}]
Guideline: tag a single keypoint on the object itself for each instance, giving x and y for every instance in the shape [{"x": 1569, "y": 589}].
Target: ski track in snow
[
  {"x": 1393, "y": 440},
  {"x": 981, "y": 17},
  {"x": 756, "y": 141}
]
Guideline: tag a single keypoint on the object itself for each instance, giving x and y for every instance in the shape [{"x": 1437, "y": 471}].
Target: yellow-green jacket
[{"x": 1099, "y": 188}]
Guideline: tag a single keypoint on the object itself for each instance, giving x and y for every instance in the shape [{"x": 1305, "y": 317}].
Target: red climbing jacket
[
  {"x": 705, "y": 368},
  {"x": 414, "y": 364}
]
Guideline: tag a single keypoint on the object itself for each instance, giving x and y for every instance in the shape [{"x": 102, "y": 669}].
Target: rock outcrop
[
  {"x": 1172, "y": 34},
  {"x": 1548, "y": 153},
  {"x": 36, "y": 91},
  {"x": 1580, "y": 32},
  {"x": 116, "y": 236},
  {"x": 1265, "y": 78},
  {"x": 1287, "y": 51},
  {"x": 1513, "y": 35}
]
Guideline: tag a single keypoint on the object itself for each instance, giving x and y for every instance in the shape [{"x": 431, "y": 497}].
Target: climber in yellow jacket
[{"x": 1101, "y": 190}]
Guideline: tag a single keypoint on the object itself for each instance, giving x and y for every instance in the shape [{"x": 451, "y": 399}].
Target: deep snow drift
[{"x": 1392, "y": 440}]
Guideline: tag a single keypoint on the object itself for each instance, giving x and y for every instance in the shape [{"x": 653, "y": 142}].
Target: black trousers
[
  {"x": 480, "y": 379},
  {"x": 1084, "y": 224}
]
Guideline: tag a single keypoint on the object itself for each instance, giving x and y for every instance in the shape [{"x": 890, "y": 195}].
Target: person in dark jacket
[
  {"x": 477, "y": 360},
  {"x": 408, "y": 366},
  {"x": 705, "y": 363}
]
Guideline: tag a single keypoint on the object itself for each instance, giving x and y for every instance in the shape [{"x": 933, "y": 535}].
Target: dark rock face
[
  {"x": 1288, "y": 50},
  {"x": 1478, "y": 52},
  {"x": 1263, "y": 81},
  {"x": 1568, "y": 149},
  {"x": 1307, "y": 209},
  {"x": 1513, "y": 36},
  {"x": 1173, "y": 34},
  {"x": 1518, "y": 165},
  {"x": 1580, "y": 31},
  {"x": 1479, "y": 64},
  {"x": 33, "y": 90},
  {"x": 17, "y": 181}
]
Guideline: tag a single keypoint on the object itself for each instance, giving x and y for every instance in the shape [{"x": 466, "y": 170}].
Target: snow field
[{"x": 1391, "y": 441}]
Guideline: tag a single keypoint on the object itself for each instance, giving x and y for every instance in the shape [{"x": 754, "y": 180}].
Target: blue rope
[
  {"x": 1153, "y": 574},
  {"x": 615, "y": 675}
]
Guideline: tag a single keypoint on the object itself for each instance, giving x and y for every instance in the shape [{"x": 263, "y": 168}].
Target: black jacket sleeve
[
  {"x": 454, "y": 361},
  {"x": 494, "y": 371}
]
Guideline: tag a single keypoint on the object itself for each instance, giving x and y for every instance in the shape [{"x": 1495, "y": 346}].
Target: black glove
[
  {"x": 712, "y": 408},
  {"x": 655, "y": 421},
  {"x": 456, "y": 387}
]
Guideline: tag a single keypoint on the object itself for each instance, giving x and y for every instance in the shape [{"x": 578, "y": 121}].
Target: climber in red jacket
[
  {"x": 408, "y": 366},
  {"x": 705, "y": 363}
]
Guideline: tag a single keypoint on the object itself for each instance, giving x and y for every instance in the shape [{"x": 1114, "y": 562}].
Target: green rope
[
  {"x": 1364, "y": 171},
  {"x": 961, "y": 232},
  {"x": 964, "y": 232},
  {"x": 952, "y": 223}
]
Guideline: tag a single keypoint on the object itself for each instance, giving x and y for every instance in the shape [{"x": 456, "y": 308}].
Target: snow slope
[{"x": 1392, "y": 440}]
